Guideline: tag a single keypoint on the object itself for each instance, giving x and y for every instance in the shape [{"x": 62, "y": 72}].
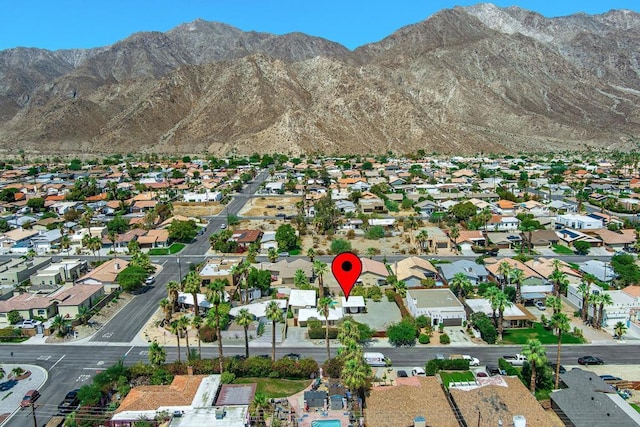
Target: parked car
[
  {"x": 540, "y": 305},
  {"x": 473, "y": 361},
  {"x": 29, "y": 397},
  {"x": 590, "y": 360},
  {"x": 553, "y": 367},
  {"x": 150, "y": 280},
  {"x": 292, "y": 356},
  {"x": 283, "y": 254},
  {"x": 70, "y": 402},
  {"x": 223, "y": 226},
  {"x": 440, "y": 356},
  {"x": 493, "y": 370},
  {"x": 415, "y": 372},
  {"x": 515, "y": 359},
  {"x": 610, "y": 378},
  {"x": 401, "y": 374},
  {"x": 481, "y": 374}
]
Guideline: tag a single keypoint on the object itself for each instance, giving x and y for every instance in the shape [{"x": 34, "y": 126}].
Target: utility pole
[{"x": 33, "y": 413}]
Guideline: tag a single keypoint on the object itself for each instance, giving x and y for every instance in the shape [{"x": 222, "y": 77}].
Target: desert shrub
[
  {"x": 207, "y": 334},
  {"x": 444, "y": 339},
  {"x": 374, "y": 293},
  {"x": 424, "y": 339},
  {"x": 390, "y": 295},
  {"x": 256, "y": 367},
  {"x": 319, "y": 333},
  {"x": 333, "y": 367},
  {"x": 432, "y": 367},
  {"x": 306, "y": 367},
  {"x": 423, "y": 321},
  {"x": 314, "y": 323},
  {"x": 485, "y": 326}
]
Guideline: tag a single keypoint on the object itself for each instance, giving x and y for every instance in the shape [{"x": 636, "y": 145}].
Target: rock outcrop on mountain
[{"x": 472, "y": 79}]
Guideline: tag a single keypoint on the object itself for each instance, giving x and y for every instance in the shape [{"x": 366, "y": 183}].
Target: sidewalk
[{"x": 12, "y": 391}]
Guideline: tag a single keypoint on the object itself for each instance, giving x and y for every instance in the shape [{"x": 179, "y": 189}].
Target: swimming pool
[{"x": 326, "y": 423}]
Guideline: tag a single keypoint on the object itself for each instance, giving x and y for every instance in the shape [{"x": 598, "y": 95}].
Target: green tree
[
  {"x": 14, "y": 317},
  {"x": 272, "y": 254},
  {"x": 259, "y": 279},
  {"x": 603, "y": 301},
  {"x": 118, "y": 225},
  {"x": 273, "y": 312},
  {"x": 311, "y": 254},
  {"x": 132, "y": 278},
  {"x": 157, "y": 354},
  {"x": 175, "y": 329},
  {"x": 517, "y": 276},
  {"x": 4, "y": 225},
  {"x": 286, "y": 237},
  {"x": 244, "y": 319},
  {"x": 461, "y": 285},
  {"x": 339, "y": 246},
  {"x": 536, "y": 355},
  {"x": 166, "y": 309},
  {"x": 619, "y": 329},
  {"x": 36, "y": 204},
  {"x": 502, "y": 302},
  {"x": 196, "y": 322},
  {"x": 59, "y": 324},
  {"x": 402, "y": 333},
  {"x": 300, "y": 279},
  {"x": 184, "y": 323},
  {"x": 183, "y": 231},
  {"x": 585, "y": 292},
  {"x": 192, "y": 284},
  {"x": 581, "y": 247},
  {"x": 462, "y": 211},
  {"x": 84, "y": 314}
]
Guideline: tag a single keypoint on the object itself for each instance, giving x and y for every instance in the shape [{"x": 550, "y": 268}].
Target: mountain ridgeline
[{"x": 465, "y": 80}]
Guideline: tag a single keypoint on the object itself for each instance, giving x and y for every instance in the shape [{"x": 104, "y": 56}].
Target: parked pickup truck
[
  {"x": 472, "y": 360},
  {"x": 515, "y": 359}
]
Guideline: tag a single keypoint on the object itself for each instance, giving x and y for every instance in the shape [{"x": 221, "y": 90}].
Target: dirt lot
[
  {"x": 257, "y": 206},
  {"x": 197, "y": 209}
]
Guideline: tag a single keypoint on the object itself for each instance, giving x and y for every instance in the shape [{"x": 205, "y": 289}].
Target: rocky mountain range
[{"x": 465, "y": 80}]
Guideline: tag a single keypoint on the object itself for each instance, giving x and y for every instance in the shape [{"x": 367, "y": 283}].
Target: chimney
[
  {"x": 116, "y": 266},
  {"x": 190, "y": 370}
]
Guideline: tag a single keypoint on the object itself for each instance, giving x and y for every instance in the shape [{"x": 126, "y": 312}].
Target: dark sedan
[{"x": 590, "y": 360}]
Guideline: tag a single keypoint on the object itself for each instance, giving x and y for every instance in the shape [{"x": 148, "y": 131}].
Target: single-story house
[
  {"x": 514, "y": 316},
  {"x": 441, "y": 305}
]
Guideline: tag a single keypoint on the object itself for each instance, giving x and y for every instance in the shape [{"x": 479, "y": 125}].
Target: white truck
[
  {"x": 515, "y": 359},
  {"x": 376, "y": 359},
  {"x": 473, "y": 361}
]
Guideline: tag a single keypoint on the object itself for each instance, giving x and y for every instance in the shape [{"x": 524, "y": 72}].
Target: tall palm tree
[
  {"x": 594, "y": 301},
  {"x": 555, "y": 303},
  {"x": 454, "y": 233},
  {"x": 215, "y": 296},
  {"x": 518, "y": 276},
  {"x": 60, "y": 324},
  {"x": 95, "y": 244},
  {"x": 491, "y": 294},
  {"x": 272, "y": 254},
  {"x": 172, "y": 294},
  {"x": 274, "y": 313},
  {"x": 536, "y": 355},
  {"x": 504, "y": 270},
  {"x": 259, "y": 404},
  {"x": 175, "y": 329},
  {"x": 423, "y": 237},
  {"x": 605, "y": 300},
  {"x": 311, "y": 254},
  {"x": 324, "y": 307},
  {"x": 113, "y": 237},
  {"x": 502, "y": 302},
  {"x": 239, "y": 272},
  {"x": 157, "y": 354},
  {"x": 320, "y": 269},
  {"x": 560, "y": 322},
  {"x": 559, "y": 280},
  {"x": 196, "y": 322},
  {"x": 244, "y": 319},
  {"x": 585, "y": 293},
  {"x": 401, "y": 287},
  {"x": 192, "y": 286},
  {"x": 65, "y": 244},
  {"x": 167, "y": 309},
  {"x": 184, "y": 324},
  {"x": 355, "y": 373}
]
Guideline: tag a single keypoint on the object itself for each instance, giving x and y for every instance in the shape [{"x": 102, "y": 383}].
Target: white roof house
[
  {"x": 305, "y": 313},
  {"x": 258, "y": 310},
  {"x": 302, "y": 298}
]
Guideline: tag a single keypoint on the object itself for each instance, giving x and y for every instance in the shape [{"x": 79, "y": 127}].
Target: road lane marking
[
  {"x": 128, "y": 351},
  {"x": 45, "y": 358},
  {"x": 54, "y": 365}
]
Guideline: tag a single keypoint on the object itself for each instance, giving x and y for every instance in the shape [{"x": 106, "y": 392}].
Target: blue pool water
[{"x": 326, "y": 423}]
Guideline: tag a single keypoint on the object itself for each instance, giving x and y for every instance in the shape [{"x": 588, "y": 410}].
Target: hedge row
[{"x": 434, "y": 366}]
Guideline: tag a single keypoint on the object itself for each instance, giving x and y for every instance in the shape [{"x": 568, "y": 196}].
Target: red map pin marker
[{"x": 346, "y": 268}]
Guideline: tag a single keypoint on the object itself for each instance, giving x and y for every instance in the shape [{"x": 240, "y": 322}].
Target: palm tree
[
  {"x": 454, "y": 233},
  {"x": 113, "y": 237},
  {"x": 184, "y": 324},
  {"x": 258, "y": 406},
  {"x": 518, "y": 276},
  {"x": 355, "y": 373},
  {"x": 196, "y": 322},
  {"x": 59, "y": 323},
  {"x": 619, "y": 329},
  {"x": 423, "y": 237},
  {"x": 157, "y": 354},
  {"x": 502, "y": 302},
  {"x": 239, "y": 272},
  {"x": 320, "y": 269},
  {"x": 460, "y": 283},
  {"x": 244, "y": 319},
  {"x": 401, "y": 288},
  {"x": 559, "y": 280},
  {"x": 95, "y": 244},
  {"x": 311, "y": 254},
  {"x": 166, "y": 307},
  {"x": 324, "y": 307},
  {"x": 504, "y": 269},
  {"x": 192, "y": 286},
  {"x": 175, "y": 329},
  {"x": 274, "y": 313},
  {"x": 172, "y": 294},
  {"x": 555, "y": 303},
  {"x": 560, "y": 322},
  {"x": 492, "y": 295},
  {"x": 272, "y": 254},
  {"x": 604, "y": 300},
  {"x": 585, "y": 293},
  {"x": 594, "y": 300},
  {"x": 536, "y": 355},
  {"x": 215, "y": 296},
  {"x": 84, "y": 314},
  {"x": 65, "y": 243}
]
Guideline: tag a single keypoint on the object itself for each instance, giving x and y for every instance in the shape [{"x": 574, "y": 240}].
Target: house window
[{"x": 42, "y": 312}]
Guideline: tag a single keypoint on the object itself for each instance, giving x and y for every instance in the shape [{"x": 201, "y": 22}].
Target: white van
[{"x": 376, "y": 359}]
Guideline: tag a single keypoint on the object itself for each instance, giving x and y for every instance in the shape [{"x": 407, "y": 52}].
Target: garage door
[{"x": 452, "y": 322}]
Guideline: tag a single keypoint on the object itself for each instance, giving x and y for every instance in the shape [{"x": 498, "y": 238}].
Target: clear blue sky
[{"x": 62, "y": 24}]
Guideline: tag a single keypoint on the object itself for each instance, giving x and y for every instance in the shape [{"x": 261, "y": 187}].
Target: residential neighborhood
[{"x": 455, "y": 251}]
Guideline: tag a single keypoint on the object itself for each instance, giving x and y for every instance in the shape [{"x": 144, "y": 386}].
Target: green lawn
[
  {"x": 520, "y": 336},
  {"x": 635, "y": 406},
  {"x": 173, "y": 249},
  {"x": 275, "y": 388},
  {"x": 454, "y": 377},
  {"x": 561, "y": 250}
]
